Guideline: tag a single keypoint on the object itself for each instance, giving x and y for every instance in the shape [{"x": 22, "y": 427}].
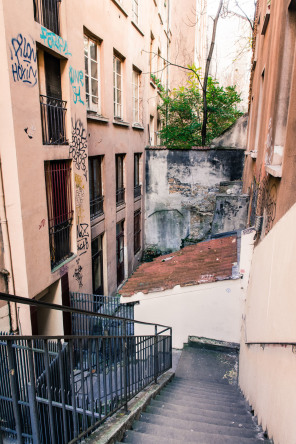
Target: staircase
[{"x": 203, "y": 405}]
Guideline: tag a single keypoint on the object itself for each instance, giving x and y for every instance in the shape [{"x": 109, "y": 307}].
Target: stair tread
[
  {"x": 200, "y": 404},
  {"x": 234, "y": 421},
  {"x": 199, "y": 388},
  {"x": 197, "y": 398},
  {"x": 190, "y": 436},
  {"x": 218, "y": 413},
  {"x": 199, "y": 426}
]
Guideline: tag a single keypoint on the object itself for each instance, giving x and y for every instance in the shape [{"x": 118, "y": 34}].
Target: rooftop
[{"x": 205, "y": 262}]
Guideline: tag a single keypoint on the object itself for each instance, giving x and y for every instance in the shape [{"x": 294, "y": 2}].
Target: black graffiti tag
[
  {"x": 78, "y": 146},
  {"x": 23, "y": 57}
]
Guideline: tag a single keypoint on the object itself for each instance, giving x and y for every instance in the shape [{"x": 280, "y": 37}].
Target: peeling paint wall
[{"x": 181, "y": 191}]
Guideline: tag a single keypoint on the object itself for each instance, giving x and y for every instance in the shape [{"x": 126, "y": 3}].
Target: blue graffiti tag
[
  {"x": 24, "y": 60},
  {"x": 55, "y": 41},
  {"x": 76, "y": 80}
]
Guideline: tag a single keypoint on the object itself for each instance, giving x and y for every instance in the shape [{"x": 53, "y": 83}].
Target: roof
[{"x": 201, "y": 263}]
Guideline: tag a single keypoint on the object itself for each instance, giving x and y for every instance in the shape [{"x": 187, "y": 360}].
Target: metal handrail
[
  {"x": 270, "y": 343},
  {"x": 26, "y": 301},
  {"x": 76, "y": 381}
]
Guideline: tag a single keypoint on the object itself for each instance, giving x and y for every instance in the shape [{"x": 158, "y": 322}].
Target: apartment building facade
[
  {"x": 78, "y": 107},
  {"x": 267, "y": 356}
]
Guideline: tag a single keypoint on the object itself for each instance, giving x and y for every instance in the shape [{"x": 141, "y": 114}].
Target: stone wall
[{"x": 181, "y": 191}]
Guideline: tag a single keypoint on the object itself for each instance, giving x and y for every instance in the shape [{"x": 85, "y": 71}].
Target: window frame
[
  {"x": 116, "y": 103},
  {"x": 135, "y": 11},
  {"x": 96, "y": 194},
  {"x": 88, "y": 96},
  {"x": 137, "y": 231},
  {"x": 136, "y": 98}
]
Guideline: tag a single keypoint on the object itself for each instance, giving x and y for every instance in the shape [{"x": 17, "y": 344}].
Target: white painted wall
[
  {"x": 268, "y": 374},
  {"x": 210, "y": 310}
]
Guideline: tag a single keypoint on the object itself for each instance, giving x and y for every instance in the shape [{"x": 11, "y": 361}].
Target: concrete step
[
  {"x": 201, "y": 411},
  {"x": 196, "y": 426},
  {"x": 199, "y": 404},
  {"x": 133, "y": 437},
  {"x": 215, "y": 398},
  {"x": 188, "y": 436},
  {"x": 200, "y": 388},
  {"x": 235, "y": 421},
  {"x": 205, "y": 384}
]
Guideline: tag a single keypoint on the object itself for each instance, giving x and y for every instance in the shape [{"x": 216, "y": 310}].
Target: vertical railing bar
[
  {"x": 98, "y": 341},
  {"x": 14, "y": 391},
  {"x": 91, "y": 382},
  {"x": 49, "y": 396},
  {"x": 155, "y": 355},
  {"x": 110, "y": 372},
  {"x": 63, "y": 391},
  {"x": 32, "y": 397},
  {"x": 82, "y": 381},
  {"x": 104, "y": 375},
  {"x": 125, "y": 365},
  {"x": 71, "y": 346}
]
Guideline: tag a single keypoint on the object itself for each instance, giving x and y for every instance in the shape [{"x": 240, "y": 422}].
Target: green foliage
[{"x": 181, "y": 113}]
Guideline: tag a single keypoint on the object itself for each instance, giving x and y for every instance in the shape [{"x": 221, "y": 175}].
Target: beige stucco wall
[{"x": 267, "y": 374}]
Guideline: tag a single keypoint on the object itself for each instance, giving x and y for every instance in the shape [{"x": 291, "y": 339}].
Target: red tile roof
[{"x": 205, "y": 262}]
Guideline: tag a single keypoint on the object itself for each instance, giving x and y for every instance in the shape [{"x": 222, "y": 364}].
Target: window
[
  {"x": 137, "y": 186},
  {"x": 120, "y": 251},
  {"x": 47, "y": 13},
  {"x": 95, "y": 186},
  {"x": 158, "y": 133},
  {"x": 120, "y": 191},
  {"x": 136, "y": 85},
  {"x": 151, "y": 130},
  {"x": 97, "y": 265},
  {"x": 136, "y": 11},
  {"x": 117, "y": 87},
  {"x": 53, "y": 108},
  {"x": 137, "y": 231},
  {"x": 59, "y": 207},
  {"x": 92, "y": 74}
]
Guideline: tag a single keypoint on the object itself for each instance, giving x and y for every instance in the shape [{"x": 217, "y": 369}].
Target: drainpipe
[
  {"x": 168, "y": 52},
  {"x": 8, "y": 266}
]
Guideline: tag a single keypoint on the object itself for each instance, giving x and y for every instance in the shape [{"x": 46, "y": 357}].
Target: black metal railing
[
  {"x": 60, "y": 242},
  {"x": 137, "y": 191},
  {"x": 120, "y": 196},
  {"x": 47, "y": 13},
  {"x": 53, "y": 119},
  {"x": 49, "y": 395},
  {"x": 96, "y": 207}
]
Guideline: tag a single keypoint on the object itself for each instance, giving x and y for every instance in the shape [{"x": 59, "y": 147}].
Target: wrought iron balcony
[
  {"x": 47, "y": 13},
  {"x": 120, "y": 196},
  {"x": 57, "y": 389},
  {"x": 137, "y": 191},
  {"x": 53, "y": 118},
  {"x": 96, "y": 207}
]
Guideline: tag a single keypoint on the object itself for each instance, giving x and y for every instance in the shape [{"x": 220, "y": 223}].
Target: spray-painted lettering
[
  {"x": 55, "y": 41},
  {"x": 23, "y": 60},
  {"x": 78, "y": 146},
  {"x": 77, "y": 81}
]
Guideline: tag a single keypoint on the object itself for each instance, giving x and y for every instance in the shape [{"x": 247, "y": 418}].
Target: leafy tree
[{"x": 181, "y": 112}]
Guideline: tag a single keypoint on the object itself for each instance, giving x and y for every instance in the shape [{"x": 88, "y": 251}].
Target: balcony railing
[
  {"x": 96, "y": 207},
  {"x": 56, "y": 389},
  {"x": 120, "y": 196},
  {"x": 53, "y": 118},
  {"x": 137, "y": 191},
  {"x": 47, "y": 13}
]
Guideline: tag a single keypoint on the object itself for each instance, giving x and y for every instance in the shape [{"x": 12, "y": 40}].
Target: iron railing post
[
  {"x": 63, "y": 391},
  {"x": 125, "y": 365},
  {"x": 14, "y": 391},
  {"x": 171, "y": 347},
  {"x": 155, "y": 355},
  {"x": 32, "y": 397},
  {"x": 49, "y": 394}
]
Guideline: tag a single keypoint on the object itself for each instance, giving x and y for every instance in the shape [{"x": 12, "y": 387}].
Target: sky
[{"x": 247, "y": 6}]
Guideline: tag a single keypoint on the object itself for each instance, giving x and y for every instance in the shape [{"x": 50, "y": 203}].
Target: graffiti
[
  {"x": 79, "y": 194},
  {"x": 76, "y": 80},
  {"x": 78, "y": 273},
  {"x": 63, "y": 270},
  {"x": 30, "y": 131},
  {"x": 24, "y": 60},
  {"x": 78, "y": 146},
  {"x": 42, "y": 224},
  {"x": 82, "y": 238},
  {"x": 55, "y": 41}
]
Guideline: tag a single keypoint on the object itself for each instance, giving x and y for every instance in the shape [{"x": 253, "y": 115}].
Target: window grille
[
  {"x": 59, "y": 207},
  {"x": 137, "y": 231},
  {"x": 95, "y": 187}
]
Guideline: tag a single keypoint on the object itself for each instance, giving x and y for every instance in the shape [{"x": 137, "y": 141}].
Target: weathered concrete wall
[
  {"x": 235, "y": 136},
  {"x": 181, "y": 190},
  {"x": 230, "y": 214}
]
